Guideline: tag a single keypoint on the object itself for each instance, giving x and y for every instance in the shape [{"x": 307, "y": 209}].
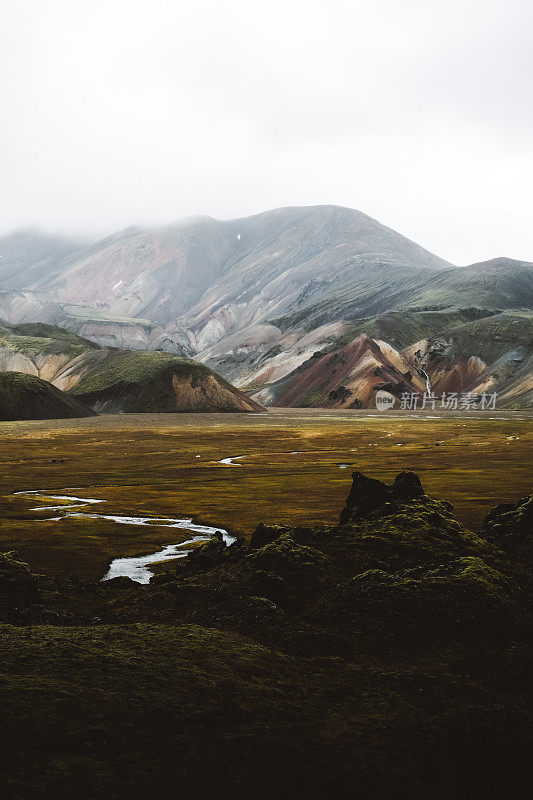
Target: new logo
[{"x": 384, "y": 400}]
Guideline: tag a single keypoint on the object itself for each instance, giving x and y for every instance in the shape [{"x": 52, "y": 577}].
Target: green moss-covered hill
[
  {"x": 29, "y": 397},
  {"x": 116, "y": 381},
  {"x": 386, "y": 657},
  {"x": 40, "y": 339},
  {"x": 492, "y": 337},
  {"x": 148, "y": 381}
]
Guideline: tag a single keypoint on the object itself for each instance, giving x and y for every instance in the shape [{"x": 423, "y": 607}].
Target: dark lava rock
[
  {"x": 18, "y": 586},
  {"x": 121, "y": 582},
  {"x": 393, "y": 387},
  {"x": 388, "y": 657},
  {"x": 269, "y": 585},
  {"x": 340, "y": 394},
  {"x": 287, "y": 572},
  {"x": 511, "y": 528},
  {"x": 495, "y": 513},
  {"x": 210, "y": 553},
  {"x": 241, "y": 613},
  {"x": 365, "y": 496},
  {"x": 264, "y": 534},
  {"x": 286, "y": 557},
  {"x": 406, "y": 487}
]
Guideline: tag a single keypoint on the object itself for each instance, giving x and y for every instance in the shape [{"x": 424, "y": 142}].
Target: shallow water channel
[{"x": 136, "y": 567}]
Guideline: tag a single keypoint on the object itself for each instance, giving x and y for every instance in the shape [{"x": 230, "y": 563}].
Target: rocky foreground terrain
[{"x": 388, "y": 656}]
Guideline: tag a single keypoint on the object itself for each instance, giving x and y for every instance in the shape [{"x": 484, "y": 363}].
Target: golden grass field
[{"x": 167, "y": 464}]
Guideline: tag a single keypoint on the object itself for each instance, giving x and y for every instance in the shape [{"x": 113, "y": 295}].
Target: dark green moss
[
  {"x": 41, "y": 330},
  {"x": 285, "y": 556},
  {"x": 24, "y": 396},
  {"x": 511, "y": 527},
  {"x": 137, "y": 367},
  {"x": 461, "y": 596},
  {"x": 38, "y": 339},
  {"x": 144, "y": 382}
]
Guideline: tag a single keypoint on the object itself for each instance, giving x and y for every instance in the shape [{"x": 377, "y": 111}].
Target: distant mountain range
[{"x": 259, "y": 300}]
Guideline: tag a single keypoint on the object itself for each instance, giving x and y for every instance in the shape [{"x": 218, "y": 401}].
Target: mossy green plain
[{"x": 168, "y": 464}]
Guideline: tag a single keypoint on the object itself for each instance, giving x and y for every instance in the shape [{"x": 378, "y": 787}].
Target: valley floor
[
  {"x": 292, "y": 466},
  {"x": 384, "y": 652}
]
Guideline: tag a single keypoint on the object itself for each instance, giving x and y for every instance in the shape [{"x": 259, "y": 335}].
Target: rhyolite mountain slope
[
  {"x": 131, "y": 333},
  {"x": 155, "y": 382},
  {"x": 25, "y": 306},
  {"x": 347, "y": 377},
  {"x": 388, "y": 656},
  {"x": 490, "y": 354},
  {"x": 256, "y": 298},
  {"x": 112, "y": 380},
  {"x": 502, "y": 283},
  {"x": 48, "y": 352},
  {"x": 289, "y": 258},
  {"x": 493, "y": 354},
  {"x": 24, "y": 396},
  {"x": 219, "y": 276}
]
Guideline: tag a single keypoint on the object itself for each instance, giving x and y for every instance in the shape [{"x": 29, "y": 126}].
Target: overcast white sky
[{"x": 418, "y": 112}]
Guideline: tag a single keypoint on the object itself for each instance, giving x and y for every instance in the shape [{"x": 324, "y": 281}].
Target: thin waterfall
[{"x": 428, "y": 382}]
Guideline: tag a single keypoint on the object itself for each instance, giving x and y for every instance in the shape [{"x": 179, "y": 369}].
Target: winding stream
[
  {"x": 136, "y": 567},
  {"x": 229, "y": 462}
]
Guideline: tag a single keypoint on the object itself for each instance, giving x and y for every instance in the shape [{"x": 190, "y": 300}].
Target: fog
[{"x": 417, "y": 112}]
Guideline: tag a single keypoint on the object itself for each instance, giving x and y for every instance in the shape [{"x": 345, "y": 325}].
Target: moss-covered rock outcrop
[
  {"x": 511, "y": 527},
  {"x": 19, "y": 593},
  {"x": 460, "y": 597}
]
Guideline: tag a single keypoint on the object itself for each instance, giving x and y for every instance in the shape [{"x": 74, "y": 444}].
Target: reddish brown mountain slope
[{"x": 346, "y": 378}]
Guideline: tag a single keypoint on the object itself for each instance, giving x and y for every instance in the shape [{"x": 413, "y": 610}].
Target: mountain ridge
[{"x": 255, "y": 297}]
